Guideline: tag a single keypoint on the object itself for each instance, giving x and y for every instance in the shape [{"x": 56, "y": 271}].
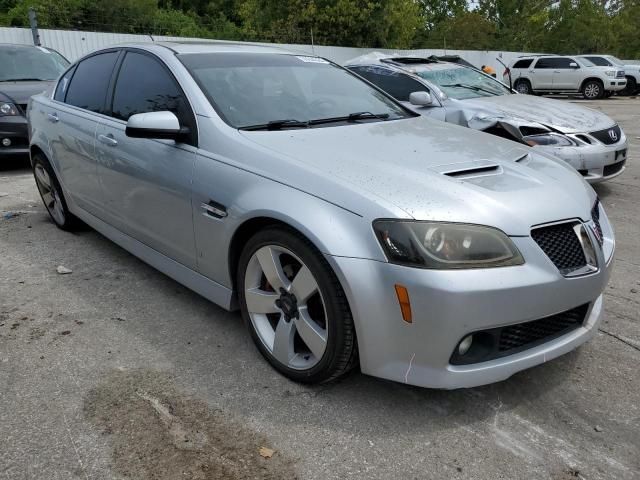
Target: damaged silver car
[{"x": 588, "y": 140}]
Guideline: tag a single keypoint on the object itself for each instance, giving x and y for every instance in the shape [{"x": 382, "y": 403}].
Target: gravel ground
[{"x": 115, "y": 371}]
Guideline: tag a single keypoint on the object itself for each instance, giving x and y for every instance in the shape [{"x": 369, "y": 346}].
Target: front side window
[
  {"x": 396, "y": 84},
  {"x": 63, "y": 85},
  {"x": 563, "y": 62},
  {"x": 19, "y": 63},
  {"x": 462, "y": 83},
  {"x": 88, "y": 87},
  {"x": 252, "y": 90}
]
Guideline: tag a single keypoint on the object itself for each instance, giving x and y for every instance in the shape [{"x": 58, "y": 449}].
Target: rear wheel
[
  {"x": 593, "y": 89},
  {"x": 295, "y": 308},
  {"x": 523, "y": 86},
  {"x": 630, "y": 88},
  {"x": 52, "y": 195}
]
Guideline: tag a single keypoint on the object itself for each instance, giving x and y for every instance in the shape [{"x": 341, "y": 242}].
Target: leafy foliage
[{"x": 561, "y": 26}]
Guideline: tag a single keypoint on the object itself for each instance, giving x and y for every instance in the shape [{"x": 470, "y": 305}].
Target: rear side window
[
  {"x": 145, "y": 85},
  {"x": 523, "y": 63},
  {"x": 63, "y": 85},
  {"x": 396, "y": 84},
  {"x": 88, "y": 87},
  {"x": 545, "y": 63}
]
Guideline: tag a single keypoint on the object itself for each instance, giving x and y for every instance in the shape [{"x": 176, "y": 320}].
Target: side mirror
[
  {"x": 574, "y": 65},
  {"x": 421, "y": 99},
  {"x": 157, "y": 125}
]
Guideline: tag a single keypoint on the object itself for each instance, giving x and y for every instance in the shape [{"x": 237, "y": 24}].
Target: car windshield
[
  {"x": 462, "y": 83},
  {"x": 30, "y": 63},
  {"x": 585, "y": 62},
  {"x": 275, "y": 91}
]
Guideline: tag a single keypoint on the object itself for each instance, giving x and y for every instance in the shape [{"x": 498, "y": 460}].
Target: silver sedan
[
  {"x": 347, "y": 229},
  {"x": 586, "y": 139}
]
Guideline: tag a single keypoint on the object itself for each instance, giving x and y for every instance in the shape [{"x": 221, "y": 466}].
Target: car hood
[
  {"x": 20, "y": 92},
  {"x": 562, "y": 116},
  {"x": 430, "y": 170}
]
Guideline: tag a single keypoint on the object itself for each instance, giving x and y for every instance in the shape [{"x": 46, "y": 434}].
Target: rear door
[
  {"x": 147, "y": 183},
  {"x": 542, "y": 74},
  {"x": 79, "y": 103},
  {"x": 566, "y": 77}
]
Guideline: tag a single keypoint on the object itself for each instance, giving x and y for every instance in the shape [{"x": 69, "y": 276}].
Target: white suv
[
  {"x": 631, "y": 71},
  {"x": 564, "y": 74}
]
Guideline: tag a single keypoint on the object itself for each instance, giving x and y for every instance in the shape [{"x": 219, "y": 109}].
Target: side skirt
[{"x": 213, "y": 291}]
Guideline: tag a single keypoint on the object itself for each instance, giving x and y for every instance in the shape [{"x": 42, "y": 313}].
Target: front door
[
  {"x": 147, "y": 183},
  {"x": 566, "y": 77}
]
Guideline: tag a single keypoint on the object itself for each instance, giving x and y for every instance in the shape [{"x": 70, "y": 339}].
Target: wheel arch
[{"x": 590, "y": 79}]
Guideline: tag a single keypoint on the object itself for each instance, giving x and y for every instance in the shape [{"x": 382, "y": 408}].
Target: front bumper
[
  {"x": 448, "y": 305},
  {"x": 15, "y": 129},
  {"x": 616, "y": 84},
  {"x": 596, "y": 162}
]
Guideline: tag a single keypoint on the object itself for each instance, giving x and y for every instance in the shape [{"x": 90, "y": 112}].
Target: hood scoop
[{"x": 467, "y": 170}]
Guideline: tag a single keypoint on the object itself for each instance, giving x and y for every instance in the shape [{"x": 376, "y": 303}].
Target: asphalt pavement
[{"x": 114, "y": 371}]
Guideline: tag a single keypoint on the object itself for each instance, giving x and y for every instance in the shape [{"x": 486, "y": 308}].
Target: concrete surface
[{"x": 115, "y": 371}]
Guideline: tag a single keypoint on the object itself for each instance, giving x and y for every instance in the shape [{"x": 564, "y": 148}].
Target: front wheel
[
  {"x": 295, "y": 308},
  {"x": 593, "y": 90}
]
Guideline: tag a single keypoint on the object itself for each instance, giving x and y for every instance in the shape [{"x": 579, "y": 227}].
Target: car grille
[
  {"x": 608, "y": 136},
  {"x": 503, "y": 341},
  {"x": 595, "y": 215},
  {"x": 613, "y": 168},
  {"x": 561, "y": 244}
]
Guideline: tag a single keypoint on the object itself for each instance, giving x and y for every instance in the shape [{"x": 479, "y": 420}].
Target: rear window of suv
[{"x": 523, "y": 63}]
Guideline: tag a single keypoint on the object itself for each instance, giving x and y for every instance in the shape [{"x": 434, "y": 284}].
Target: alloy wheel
[
  {"x": 592, "y": 90},
  {"x": 286, "y": 307},
  {"x": 49, "y": 193}
]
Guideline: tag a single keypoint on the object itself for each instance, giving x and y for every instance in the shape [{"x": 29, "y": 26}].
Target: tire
[
  {"x": 630, "y": 89},
  {"x": 52, "y": 196},
  {"x": 308, "y": 337},
  {"x": 593, "y": 90},
  {"x": 523, "y": 86}
]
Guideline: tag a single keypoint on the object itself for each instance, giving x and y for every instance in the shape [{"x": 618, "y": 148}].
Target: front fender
[{"x": 245, "y": 196}]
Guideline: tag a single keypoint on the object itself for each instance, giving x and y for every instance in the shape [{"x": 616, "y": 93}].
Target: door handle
[
  {"x": 53, "y": 117},
  {"x": 108, "y": 140}
]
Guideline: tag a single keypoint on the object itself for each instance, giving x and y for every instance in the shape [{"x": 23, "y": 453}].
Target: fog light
[
  {"x": 6, "y": 142},
  {"x": 465, "y": 345}
]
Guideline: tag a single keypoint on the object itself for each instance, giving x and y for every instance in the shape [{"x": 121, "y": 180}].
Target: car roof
[{"x": 211, "y": 47}]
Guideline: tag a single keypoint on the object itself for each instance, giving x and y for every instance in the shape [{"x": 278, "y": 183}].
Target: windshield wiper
[
  {"x": 471, "y": 87},
  {"x": 24, "y": 80},
  {"x": 352, "y": 117},
  {"x": 278, "y": 125}
]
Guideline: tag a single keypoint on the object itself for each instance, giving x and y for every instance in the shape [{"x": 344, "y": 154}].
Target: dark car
[{"x": 25, "y": 71}]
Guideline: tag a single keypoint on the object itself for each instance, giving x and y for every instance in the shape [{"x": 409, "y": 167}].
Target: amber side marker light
[{"x": 405, "y": 304}]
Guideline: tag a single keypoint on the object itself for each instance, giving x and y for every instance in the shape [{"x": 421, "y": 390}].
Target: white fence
[{"x": 74, "y": 44}]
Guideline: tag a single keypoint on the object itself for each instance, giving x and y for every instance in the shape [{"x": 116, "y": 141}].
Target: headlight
[
  {"x": 8, "y": 110},
  {"x": 610, "y": 73},
  {"x": 445, "y": 245},
  {"x": 549, "y": 139}
]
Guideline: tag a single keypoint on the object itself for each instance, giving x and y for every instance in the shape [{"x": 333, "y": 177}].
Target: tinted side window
[
  {"x": 523, "y": 63},
  {"x": 144, "y": 85},
  {"x": 63, "y": 85},
  {"x": 88, "y": 88},
  {"x": 562, "y": 62},
  {"x": 545, "y": 63},
  {"x": 396, "y": 84},
  {"x": 601, "y": 62}
]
